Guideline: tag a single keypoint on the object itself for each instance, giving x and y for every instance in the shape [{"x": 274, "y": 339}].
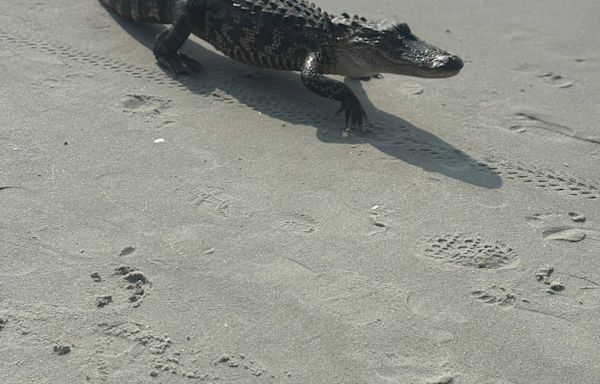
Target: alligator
[{"x": 292, "y": 35}]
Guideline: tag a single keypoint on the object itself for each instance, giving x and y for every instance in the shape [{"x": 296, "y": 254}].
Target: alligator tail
[{"x": 149, "y": 11}]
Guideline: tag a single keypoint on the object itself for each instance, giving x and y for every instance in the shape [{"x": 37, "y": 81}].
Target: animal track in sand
[
  {"x": 304, "y": 112},
  {"x": 470, "y": 251},
  {"x": 528, "y": 121},
  {"x": 547, "y": 179},
  {"x": 298, "y": 112}
]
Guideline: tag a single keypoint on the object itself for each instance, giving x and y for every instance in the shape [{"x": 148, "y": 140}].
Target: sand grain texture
[{"x": 222, "y": 228}]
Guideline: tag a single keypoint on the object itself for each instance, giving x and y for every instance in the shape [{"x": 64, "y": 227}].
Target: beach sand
[{"x": 223, "y": 229}]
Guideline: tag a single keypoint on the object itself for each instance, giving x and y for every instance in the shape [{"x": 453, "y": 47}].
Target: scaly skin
[{"x": 291, "y": 35}]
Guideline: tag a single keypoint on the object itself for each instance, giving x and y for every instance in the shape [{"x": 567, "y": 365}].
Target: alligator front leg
[
  {"x": 168, "y": 43},
  {"x": 313, "y": 79}
]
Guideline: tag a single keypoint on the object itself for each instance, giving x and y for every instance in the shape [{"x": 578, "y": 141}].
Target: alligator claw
[
  {"x": 353, "y": 112},
  {"x": 178, "y": 64},
  {"x": 192, "y": 64}
]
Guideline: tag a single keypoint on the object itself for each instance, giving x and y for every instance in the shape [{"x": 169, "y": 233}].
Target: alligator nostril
[
  {"x": 450, "y": 63},
  {"x": 455, "y": 62}
]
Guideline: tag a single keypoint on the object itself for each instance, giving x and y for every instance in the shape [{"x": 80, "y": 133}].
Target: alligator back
[
  {"x": 149, "y": 11},
  {"x": 269, "y": 33},
  {"x": 274, "y": 34}
]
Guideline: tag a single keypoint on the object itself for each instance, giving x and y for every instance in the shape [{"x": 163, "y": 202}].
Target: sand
[{"x": 223, "y": 229}]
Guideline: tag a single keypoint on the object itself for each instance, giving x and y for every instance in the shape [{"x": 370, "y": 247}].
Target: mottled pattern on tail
[{"x": 150, "y": 11}]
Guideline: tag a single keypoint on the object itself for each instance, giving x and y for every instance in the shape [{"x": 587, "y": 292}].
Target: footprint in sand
[
  {"x": 134, "y": 282},
  {"x": 562, "y": 226},
  {"x": 495, "y": 294},
  {"x": 144, "y": 105},
  {"x": 573, "y": 235},
  {"x": 125, "y": 343},
  {"x": 470, "y": 251}
]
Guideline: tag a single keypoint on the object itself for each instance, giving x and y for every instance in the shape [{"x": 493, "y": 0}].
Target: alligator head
[{"x": 364, "y": 48}]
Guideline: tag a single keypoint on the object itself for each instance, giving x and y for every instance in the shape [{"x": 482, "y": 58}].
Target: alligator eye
[{"x": 402, "y": 29}]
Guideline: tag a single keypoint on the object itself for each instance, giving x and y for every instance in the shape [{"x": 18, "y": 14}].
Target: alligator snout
[{"x": 448, "y": 64}]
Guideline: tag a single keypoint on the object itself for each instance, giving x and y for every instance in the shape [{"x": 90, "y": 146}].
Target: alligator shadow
[{"x": 281, "y": 95}]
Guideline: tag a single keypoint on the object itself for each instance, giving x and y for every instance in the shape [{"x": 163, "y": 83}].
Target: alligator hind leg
[{"x": 168, "y": 42}]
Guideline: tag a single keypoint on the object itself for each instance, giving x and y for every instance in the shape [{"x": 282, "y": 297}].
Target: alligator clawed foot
[
  {"x": 178, "y": 64},
  {"x": 172, "y": 63},
  {"x": 192, "y": 64},
  {"x": 354, "y": 113}
]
